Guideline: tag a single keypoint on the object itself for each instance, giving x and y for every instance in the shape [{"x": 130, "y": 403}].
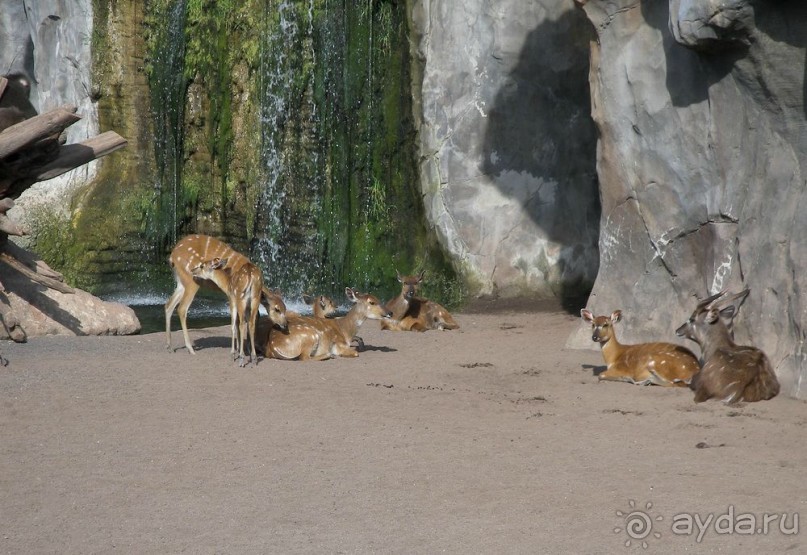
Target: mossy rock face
[
  {"x": 286, "y": 131},
  {"x": 342, "y": 204}
]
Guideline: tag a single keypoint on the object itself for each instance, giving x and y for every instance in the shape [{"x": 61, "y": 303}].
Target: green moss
[{"x": 346, "y": 208}]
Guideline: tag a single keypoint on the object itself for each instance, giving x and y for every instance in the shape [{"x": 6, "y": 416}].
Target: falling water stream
[{"x": 338, "y": 201}]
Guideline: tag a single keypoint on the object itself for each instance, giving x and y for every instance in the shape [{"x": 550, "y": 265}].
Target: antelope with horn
[{"x": 730, "y": 372}]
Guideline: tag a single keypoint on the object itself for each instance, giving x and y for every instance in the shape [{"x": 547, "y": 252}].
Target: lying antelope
[
  {"x": 321, "y": 306},
  {"x": 190, "y": 252},
  {"x": 411, "y": 313},
  {"x": 730, "y": 372},
  {"x": 245, "y": 292},
  {"x": 664, "y": 364},
  {"x": 311, "y": 338},
  {"x": 279, "y": 317}
]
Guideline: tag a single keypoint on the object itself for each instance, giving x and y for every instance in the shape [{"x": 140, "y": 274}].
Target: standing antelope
[
  {"x": 730, "y": 372},
  {"x": 322, "y": 338},
  {"x": 411, "y": 313},
  {"x": 189, "y": 253},
  {"x": 664, "y": 364},
  {"x": 245, "y": 291}
]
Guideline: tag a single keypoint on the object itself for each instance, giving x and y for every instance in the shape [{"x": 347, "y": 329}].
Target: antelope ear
[
  {"x": 586, "y": 315},
  {"x": 400, "y": 277},
  {"x": 351, "y": 295},
  {"x": 616, "y": 316},
  {"x": 322, "y": 302},
  {"x": 420, "y": 275},
  {"x": 308, "y": 299},
  {"x": 217, "y": 263},
  {"x": 728, "y": 312}
]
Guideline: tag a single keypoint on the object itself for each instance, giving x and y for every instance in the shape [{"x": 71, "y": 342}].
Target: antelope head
[
  {"x": 602, "y": 327},
  {"x": 272, "y": 301},
  {"x": 716, "y": 308},
  {"x": 409, "y": 284}
]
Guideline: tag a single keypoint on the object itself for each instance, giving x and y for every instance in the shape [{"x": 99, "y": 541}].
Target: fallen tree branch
[
  {"x": 75, "y": 155},
  {"x": 33, "y": 275},
  {"x": 37, "y": 128}
]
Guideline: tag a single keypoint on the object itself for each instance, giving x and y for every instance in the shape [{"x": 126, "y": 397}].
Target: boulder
[
  {"x": 507, "y": 145},
  {"x": 38, "y": 310},
  {"x": 702, "y": 169}
]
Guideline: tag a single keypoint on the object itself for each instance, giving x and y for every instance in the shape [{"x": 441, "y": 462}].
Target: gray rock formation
[
  {"x": 700, "y": 107},
  {"x": 50, "y": 41},
  {"x": 43, "y": 311},
  {"x": 507, "y": 142}
]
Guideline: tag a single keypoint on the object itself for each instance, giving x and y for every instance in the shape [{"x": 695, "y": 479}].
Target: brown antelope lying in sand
[
  {"x": 730, "y": 372},
  {"x": 664, "y": 364},
  {"x": 411, "y": 313},
  {"x": 311, "y": 338},
  {"x": 321, "y": 306}
]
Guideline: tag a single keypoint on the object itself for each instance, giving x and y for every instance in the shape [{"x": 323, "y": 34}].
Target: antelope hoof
[{"x": 357, "y": 343}]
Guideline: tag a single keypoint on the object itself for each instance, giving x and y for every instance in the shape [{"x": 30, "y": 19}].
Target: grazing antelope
[
  {"x": 311, "y": 338},
  {"x": 730, "y": 372},
  {"x": 190, "y": 252},
  {"x": 245, "y": 292},
  {"x": 279, "y": 317},
  {"x": 411, "y": 313},
  {"x": 664, "y": 364}
]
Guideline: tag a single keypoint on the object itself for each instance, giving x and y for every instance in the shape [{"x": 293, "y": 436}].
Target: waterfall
[
  {"x": 330, "y": 150},
  {"x": 285, "y": 128},
  {"x": 287, "y": 243},
  {"x": 168, "y": 87}
]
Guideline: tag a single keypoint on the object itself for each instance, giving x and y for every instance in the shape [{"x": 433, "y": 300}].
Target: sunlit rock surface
[
  {"x": 507, "y": 145},
  {"x": 701, "y": 163}
]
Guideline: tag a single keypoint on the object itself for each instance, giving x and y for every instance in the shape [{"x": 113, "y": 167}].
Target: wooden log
[
  {"x": 3, "y": 83},
  {"x": 37, "y": 128},
  {"x": 75, "y": 155},
  {"x": 33, "y": 275},
  {"x": 30, "y": 260}
]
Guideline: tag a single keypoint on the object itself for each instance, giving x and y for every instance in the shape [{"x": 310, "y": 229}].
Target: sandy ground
[{"x": 490, "y": 439}]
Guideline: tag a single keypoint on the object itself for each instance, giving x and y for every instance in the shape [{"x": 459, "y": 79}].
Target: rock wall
[
  {"x": 507, "y": 145},
  {"x": 700, "y": 107},
  {"x": 50, "y": 41}
]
